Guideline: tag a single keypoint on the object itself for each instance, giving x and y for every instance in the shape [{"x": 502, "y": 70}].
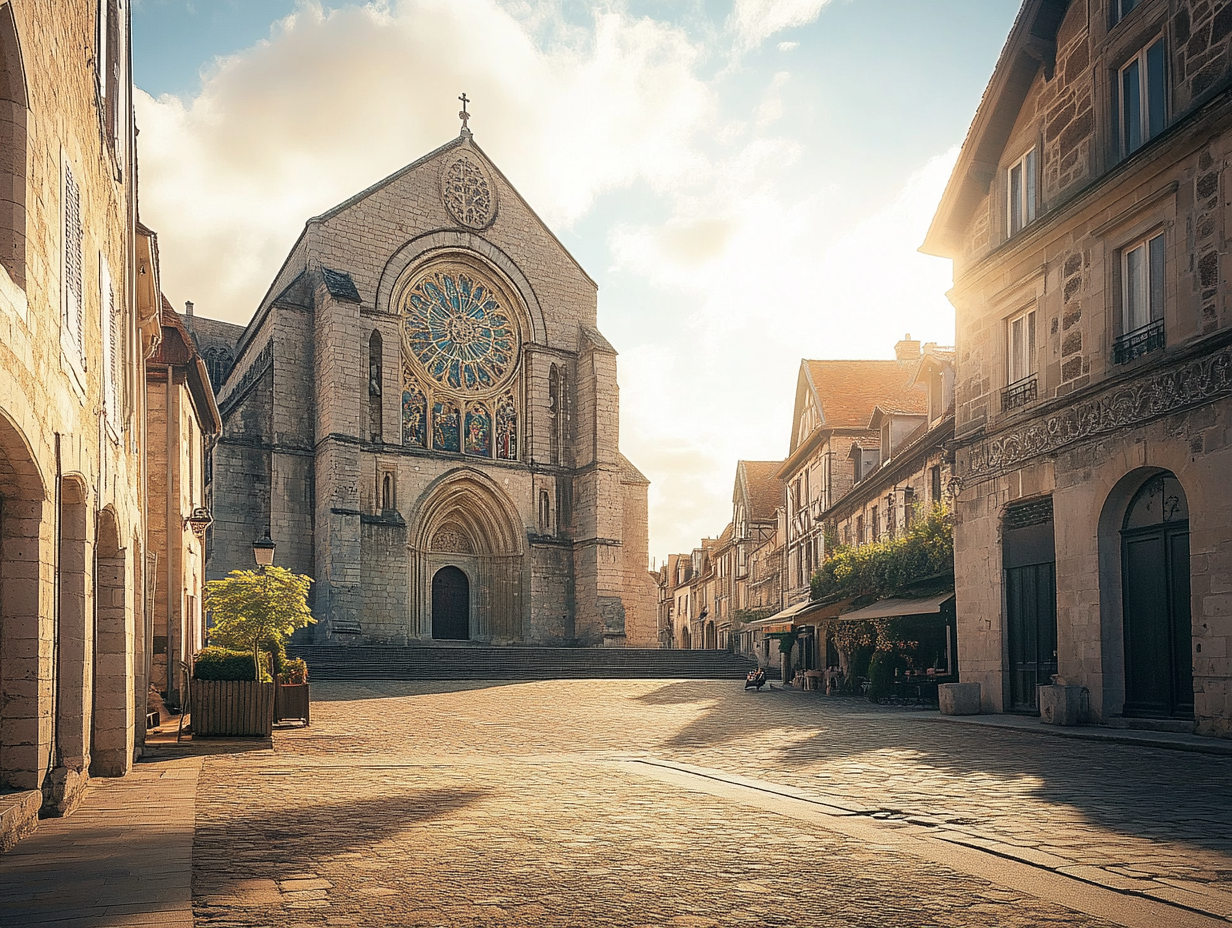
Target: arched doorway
[
  {"x": 451, "y": 605},
  {"x": 1155, "y": 587}
]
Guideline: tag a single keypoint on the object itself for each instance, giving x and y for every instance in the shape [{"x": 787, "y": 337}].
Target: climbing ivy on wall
[{"x": 884, "y": 568}]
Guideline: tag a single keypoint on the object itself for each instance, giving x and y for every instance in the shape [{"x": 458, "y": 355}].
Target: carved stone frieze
[
  {"x": 448, "y": 540},
  {"x": 1125, "y": 406}
]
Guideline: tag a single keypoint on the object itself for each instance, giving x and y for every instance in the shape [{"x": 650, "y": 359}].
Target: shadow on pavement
[
  {"x": 1134, "y": 790},
  {"x": 290, "y": 837},
  {"x": 350, "y": 691}
]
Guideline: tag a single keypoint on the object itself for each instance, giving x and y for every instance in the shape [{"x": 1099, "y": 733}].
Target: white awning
[{"x": 893, "y": 607}]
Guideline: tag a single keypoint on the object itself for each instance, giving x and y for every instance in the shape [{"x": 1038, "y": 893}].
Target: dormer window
[
  {"x": 1143, "y": 89},
  {"x": 1021, "y": 192}
]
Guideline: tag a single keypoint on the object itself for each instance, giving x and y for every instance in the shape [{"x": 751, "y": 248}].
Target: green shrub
[
  {"x": 293, "y": 670},
  {"x": 223, "y": 664},
  {"x": 883, "y": 568}
]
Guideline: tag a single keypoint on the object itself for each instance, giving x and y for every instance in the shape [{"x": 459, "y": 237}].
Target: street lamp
[{"x": 263, "y": 551}]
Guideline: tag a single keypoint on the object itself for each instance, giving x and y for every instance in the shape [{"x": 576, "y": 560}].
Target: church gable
[{"x": 454, "y": 199}]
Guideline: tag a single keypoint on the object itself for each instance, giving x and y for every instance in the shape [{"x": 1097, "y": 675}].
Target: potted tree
[{"x": 249, "y": 608}]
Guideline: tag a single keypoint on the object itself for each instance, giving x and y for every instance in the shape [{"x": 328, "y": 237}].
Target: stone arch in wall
[
  {"x": 26, "y": 563},
  {"x": 1144, "y": 578},
  {"x": 466, "y": 521},
  {"x": 429, "y": 247},
  {"x": 74, "y": 647},
  {"x": 13, "y": 150},
  {"x": 686, "y": 641},
  {"x": 111, "y": 754},
  {"x": 463, "y": 328}
]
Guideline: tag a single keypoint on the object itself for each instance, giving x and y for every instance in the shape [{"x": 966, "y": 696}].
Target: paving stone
[{"x": 491, "y": 805}]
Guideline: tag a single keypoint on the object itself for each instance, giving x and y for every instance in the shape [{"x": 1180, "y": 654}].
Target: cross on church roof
[{"x": 464, "y": 115}]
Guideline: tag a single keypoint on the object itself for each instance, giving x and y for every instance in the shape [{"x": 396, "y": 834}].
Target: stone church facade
[
  {"x": 425, "y": 418},
  {"x": 1087, "y": 218}
]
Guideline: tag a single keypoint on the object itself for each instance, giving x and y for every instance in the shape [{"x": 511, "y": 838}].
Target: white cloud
[
  {"x": 335, "y": 100},
  {"x": 788, "y": 46},
  {"x": 745, "y": 260},
  {"x": 754, "y": 21},
  {"x": 778, "y": 286}
]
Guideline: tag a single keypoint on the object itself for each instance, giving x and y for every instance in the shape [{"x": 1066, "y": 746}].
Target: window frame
[
  {"x": 73, "y": 276},
  {"x": 1151, "y": 289},
  {"x": 1026, "y": 368},
  {"x": 1141, "y": 59},
  {"x": 1119, "y": 10},
  {"x": 1028, "y": 192}
]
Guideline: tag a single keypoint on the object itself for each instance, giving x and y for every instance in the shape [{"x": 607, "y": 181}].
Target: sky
[{"x": 748, "y": 181}]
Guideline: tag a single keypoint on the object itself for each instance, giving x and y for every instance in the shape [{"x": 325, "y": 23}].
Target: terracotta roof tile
[
  {"x": 764, "y": 489},
  {"x": 848, "y": 390}
]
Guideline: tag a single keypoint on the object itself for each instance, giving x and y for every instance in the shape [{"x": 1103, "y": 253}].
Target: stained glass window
[
  {"x": 458, "y": 331},
  {"x": 446, "y": 427},
  {"x": 478, "y": 431},
  {"x": 414, "y": 416},
  {"x": 507, "y": 430},
  {"x": 461, "y": 342}
]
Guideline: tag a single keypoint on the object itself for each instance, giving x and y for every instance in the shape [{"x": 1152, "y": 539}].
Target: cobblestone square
[{"x": 693, "y": 803}]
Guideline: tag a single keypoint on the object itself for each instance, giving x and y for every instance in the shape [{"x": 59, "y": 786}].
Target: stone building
[
  {"x": 425, "y": 418},
  {"x": 78, "y": 312},
  {"x": 912, "y": 474},
  {"x": 903, "y": 466},
  {"x": 835, "y": 401},
  {"x": 1086, "y": 219},
  {"x": 181, "y": 417}
]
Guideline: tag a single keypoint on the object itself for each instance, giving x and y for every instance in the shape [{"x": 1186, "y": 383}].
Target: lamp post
[
  {"x": 263, "y": 554},
  {"x": 263, "y": 551}
]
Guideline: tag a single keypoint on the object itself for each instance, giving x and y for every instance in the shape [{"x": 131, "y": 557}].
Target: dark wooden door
[
  {"x": 451, "y": 605},
  {"x": 1158, "y": 665},
  {"x": 1031, "y": 619},
  {"x": 1029, "y": 562}
]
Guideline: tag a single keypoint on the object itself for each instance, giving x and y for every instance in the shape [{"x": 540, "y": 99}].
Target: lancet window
[{"x": 461, "y": 344}]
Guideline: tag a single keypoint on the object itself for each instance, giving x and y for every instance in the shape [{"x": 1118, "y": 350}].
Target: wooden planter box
[
  {"x": 232, "y": 707},
  {"x": 292, "y": 702}
]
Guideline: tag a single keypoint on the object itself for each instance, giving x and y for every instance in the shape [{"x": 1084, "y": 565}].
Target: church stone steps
[{"x": 482, "y": 663}]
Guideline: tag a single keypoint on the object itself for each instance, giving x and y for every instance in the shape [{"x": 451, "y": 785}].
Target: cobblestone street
[{"x": 696, "y": 804}]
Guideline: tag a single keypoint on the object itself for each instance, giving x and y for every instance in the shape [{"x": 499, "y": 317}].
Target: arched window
[
  {"x": 374, "y": 387},
  {"x": 545, "y": 513},
  {"x": 218, "y": 363},
  {"x": 387, "y": 492},
  {"x": 554, "y": 413},
  {"x": 13, "y": 107}
]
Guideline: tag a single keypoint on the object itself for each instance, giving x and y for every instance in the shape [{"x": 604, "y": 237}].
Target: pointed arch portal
[{"x": 467, "y": 561}]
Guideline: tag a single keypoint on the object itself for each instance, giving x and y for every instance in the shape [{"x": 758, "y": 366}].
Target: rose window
[{"x": 458, "y": 331}]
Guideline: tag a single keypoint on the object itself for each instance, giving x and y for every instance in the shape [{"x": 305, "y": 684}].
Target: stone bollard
[
  {"x": 1060, "y": 704},
  {"x": 959, "y": 698}
]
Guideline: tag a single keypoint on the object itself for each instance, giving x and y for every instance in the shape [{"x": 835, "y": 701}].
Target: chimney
[
  {"x": 188, "y": 308},
  {"x": 907, "y": 349}
]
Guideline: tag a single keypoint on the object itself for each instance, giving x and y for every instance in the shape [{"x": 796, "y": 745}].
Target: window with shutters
[
  {"x": 110, "y": 329},
  {"x": 73, "y": 309},
  {"x": 109, "y": 63}
]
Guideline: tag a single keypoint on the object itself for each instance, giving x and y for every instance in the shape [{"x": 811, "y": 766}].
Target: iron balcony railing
[
  {"x": 1138, "y": 342},
  {"x": 1019, "y": 393}
]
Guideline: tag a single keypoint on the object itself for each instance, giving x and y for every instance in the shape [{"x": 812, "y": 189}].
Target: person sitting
[{"x": 755, "y": 678}]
